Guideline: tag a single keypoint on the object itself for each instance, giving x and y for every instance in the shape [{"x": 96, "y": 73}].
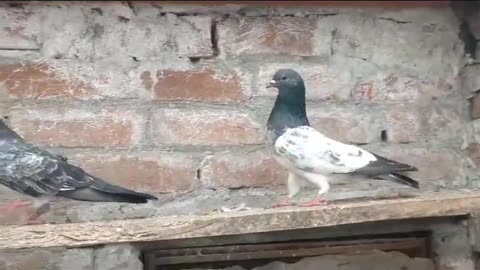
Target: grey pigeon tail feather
[
  {"x": 103, "y": 191},
  {"x": 400, "y": 178},
  {"x": 106, "y": 193},
  {"x": 8, "y": 134}
]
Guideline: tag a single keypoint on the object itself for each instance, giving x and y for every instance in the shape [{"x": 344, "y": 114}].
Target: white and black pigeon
[
  {"x": 39, "y": 173},
  {"x": 309, "y": 155}
]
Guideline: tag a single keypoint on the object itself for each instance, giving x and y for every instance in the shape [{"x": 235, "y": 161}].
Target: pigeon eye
[{"x": 284, "y": 77}]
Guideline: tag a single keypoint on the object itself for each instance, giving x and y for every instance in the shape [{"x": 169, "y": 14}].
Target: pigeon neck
[{"x": 288, "y": 113}]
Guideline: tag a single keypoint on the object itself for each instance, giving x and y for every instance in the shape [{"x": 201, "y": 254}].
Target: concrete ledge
[{"x": 442, "y": 204}]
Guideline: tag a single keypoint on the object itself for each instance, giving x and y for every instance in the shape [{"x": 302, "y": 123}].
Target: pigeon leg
[
  {"x": 294, "y": 184},
  {"x": 39, "y": 211},
  {"x": 23, "y": 212},
  {"x": 322, "y": 182},
  {"x": 318, "y": 200}
]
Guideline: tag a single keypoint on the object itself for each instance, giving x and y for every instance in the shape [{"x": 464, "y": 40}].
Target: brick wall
[{"x": 171, "y": 98}]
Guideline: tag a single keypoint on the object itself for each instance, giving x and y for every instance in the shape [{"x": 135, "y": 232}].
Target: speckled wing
[
  {"x": 308, "y": 150},
  {"x": 31, "y": 170}
]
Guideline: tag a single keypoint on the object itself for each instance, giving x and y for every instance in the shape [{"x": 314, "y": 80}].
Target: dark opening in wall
[
  {"x": 384, "y": 135},
  {"x": 249, "y": 256}
]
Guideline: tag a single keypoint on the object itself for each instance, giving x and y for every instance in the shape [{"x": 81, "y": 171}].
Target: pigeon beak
[{"x": 272, "y": 84}]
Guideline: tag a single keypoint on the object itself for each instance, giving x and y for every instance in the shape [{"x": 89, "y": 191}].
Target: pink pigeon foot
[
  {"x": 318, "y": 200},
  {"x": 283, "y": 203},
  {"x": 22, "y": 212},
  {"x": 14, "y": 204}
]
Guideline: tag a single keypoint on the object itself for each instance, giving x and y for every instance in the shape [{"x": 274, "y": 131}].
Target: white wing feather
[{"x": 309, "y": 150}]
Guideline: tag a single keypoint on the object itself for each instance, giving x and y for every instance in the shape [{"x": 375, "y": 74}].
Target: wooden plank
[{"x": 235, "y": 223}]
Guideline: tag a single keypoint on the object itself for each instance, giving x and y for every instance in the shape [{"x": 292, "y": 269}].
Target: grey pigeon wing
[{"x": 36, "y": 172}]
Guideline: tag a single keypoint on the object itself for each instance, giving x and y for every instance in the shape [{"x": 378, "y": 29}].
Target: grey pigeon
[
  {"x": 39, "y": 173},
  {"x": 310, "y": 155}
]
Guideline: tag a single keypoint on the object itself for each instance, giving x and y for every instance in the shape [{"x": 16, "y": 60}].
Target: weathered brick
[
  {"x": 203, "y": 84},
  {"x": 342, "y": 126},
  {"x": 477, "y": 49},
  {"x": 147, "y": 172},
  {"x": 471, "y": 78},
  {"x": 473, "y": 152},
  {"x": 403, "y": 126},
  {"x": 430, "y": 48},
  {"x": 77, "y": 259},
  {"x": 394, "y": 87},
  {"x": 118, "y": 257},
  {"x": 435, "y": 167},
  {"x": 79, "y": 128},
  {"x": 194, "y": 38},
  {"x": 473, "y": 21},
  {"x": 350, "y": 39},
  {"x": 39, "y": 81},
  {"x": 406, "y": 124},
  {"x": 475, "y": 108},
  {"x": 270, "y": 35},
  {"x": 20, "y": 28},
  {"x": 242, "y": 169},
  {"x": 186, "y": 36},
  {"x": 321, "y": 82},
  {"x": 30, "y": 259},
  {"x": 69, "y": 36},
  {"x": 205, "y": 127}
]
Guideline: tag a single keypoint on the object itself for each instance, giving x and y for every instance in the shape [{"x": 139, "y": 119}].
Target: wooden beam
[{"x": 443, "y": 204}]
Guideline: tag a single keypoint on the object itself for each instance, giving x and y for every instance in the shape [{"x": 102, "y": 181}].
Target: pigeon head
[{"x": 289, "y": 84}]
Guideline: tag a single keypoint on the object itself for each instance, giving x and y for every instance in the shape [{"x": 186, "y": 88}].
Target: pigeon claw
[
  {"x": 283, "y": 203},
  {"x": 318, "y": 200}
]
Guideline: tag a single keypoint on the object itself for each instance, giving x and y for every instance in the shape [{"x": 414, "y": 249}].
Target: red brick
[
  {"x": 205, "y": 127},
  {"x": 341, "y": 126},
  {"x": 37, "y": 81},
  {"x": 268, "y": 35},
  {"x": 242, "y": 169},
  {"x": 202, "y": 84},
  {"x": 79, "y": 128},
  {"x": 401, "y": 88},
  {"x": 144, "y": 172},
  {"x": 321, "y": 82},
  {"x": 435, "y": 167},
  {"x": 473, "y": 152}
]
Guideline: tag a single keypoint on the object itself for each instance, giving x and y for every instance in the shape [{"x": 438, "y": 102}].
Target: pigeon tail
[
  {"x": 400, "y": 178},
  {"x": 101, "y": 191}
]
